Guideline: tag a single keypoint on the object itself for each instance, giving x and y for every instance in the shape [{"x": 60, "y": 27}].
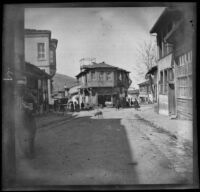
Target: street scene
[
  {"x": 99, "y": 96},
  {"x": 122, "y": 147}
]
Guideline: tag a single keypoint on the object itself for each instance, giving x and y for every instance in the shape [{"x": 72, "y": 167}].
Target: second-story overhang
[
  {"x": 33, "y": 71},
  {"x": 105, "y": 69},
  {"x": 169, "y": 14}
]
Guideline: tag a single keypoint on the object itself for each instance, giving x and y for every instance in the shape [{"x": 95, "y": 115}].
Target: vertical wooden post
[{"x": 13, "y": 58}]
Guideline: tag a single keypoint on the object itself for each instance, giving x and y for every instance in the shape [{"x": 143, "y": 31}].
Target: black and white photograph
[{"x": 99, "y": 96}]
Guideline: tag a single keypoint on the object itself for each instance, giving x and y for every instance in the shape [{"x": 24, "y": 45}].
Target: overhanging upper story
[
  {"x": 103, "y": 75},
  {"x": 174, "y": 29},
  {"x": 169, "y": 20}
]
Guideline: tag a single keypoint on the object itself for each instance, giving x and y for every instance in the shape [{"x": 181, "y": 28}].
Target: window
[
  {"x": 190, "y": 86},
  {"x": 165, "y": 82},
  {"x": 171, "y": 75},
  {"x": 120, "y": 76},
  {"x": 108, "y": 76},
  {"x": 101, "y": 76},
  {"x": 51, "y": 56},
  {"x": 183, "y": 87},
  {"x": 161, "y": 82},
  {"x": 93, "y": 77},
  {"x": 184, "y": 75},
  {"x": 41, "y": 51}
]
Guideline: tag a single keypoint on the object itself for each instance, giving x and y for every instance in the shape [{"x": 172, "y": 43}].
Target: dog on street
[{"x": 99, "y": 113}]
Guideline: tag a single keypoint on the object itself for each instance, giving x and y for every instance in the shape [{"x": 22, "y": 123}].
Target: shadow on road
[{"x": 80, "y": 151}]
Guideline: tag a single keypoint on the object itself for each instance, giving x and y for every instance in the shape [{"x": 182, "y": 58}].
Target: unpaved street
[{"x": 118, "y": 148}]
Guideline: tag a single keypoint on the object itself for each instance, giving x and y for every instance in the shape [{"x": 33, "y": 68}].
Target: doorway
[{"x": 172, "y": 104}]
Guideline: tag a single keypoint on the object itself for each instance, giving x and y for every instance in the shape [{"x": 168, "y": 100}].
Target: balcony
[{"x": 165, "y": 62}]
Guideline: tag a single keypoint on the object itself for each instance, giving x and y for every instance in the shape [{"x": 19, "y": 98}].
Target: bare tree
[{"x": 146, "y": 52}]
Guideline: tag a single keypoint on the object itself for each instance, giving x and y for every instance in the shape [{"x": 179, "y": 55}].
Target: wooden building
[
  {"x": 175, "y": 35},
  {"x": 145, "y": 94},
  {"x": 40, "y": 50},
  {"x": 101, "y": 83},
  {"x": 37, "y": 84},
  {"x": 133, "y": 94}
]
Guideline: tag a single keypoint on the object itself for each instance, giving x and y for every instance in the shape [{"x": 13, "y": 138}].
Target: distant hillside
[{"x": 60, "y": 80}]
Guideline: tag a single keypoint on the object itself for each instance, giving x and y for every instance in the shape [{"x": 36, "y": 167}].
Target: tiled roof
[{"x": 99, "y": 65}]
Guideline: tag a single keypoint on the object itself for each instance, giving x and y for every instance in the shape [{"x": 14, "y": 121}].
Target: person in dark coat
[
  {"x": 131, "y": 102},
  {"x": 136, "y": 104},
  {"x": 72, "y": 107},
  {"x": 118, "y": 105},
  {"x": 82, "y": 105},
  {"x": 76, "y": 106}
]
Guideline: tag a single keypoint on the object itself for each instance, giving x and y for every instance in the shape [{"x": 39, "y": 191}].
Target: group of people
[
  {"x": 74, "y": 106},
  {"x": 129, "y": 103}
]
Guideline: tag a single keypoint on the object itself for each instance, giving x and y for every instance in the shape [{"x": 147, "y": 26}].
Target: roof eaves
[{"x": 153, "y": 29}]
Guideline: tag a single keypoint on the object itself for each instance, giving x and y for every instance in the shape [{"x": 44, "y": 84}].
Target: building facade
[
  {"x": 37, "y": 84},
  {"x": 40, "y": 50},
  {"x": 101, "y": 83},
  {"x": 175, "y": 60},
  {"x": 133, "y": 94},
  {"x": 145, "y": 93}
]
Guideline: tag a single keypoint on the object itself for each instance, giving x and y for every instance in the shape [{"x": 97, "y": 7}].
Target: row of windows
[
  {"x": 101, "y": 76},
  {"x": 185, "y": 58}
]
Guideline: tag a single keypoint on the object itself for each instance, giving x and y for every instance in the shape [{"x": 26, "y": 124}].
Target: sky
[{"x": 109, "y": 34}]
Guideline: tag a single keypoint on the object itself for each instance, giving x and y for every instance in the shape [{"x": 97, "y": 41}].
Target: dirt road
[{"x": 118, "y": 148}]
